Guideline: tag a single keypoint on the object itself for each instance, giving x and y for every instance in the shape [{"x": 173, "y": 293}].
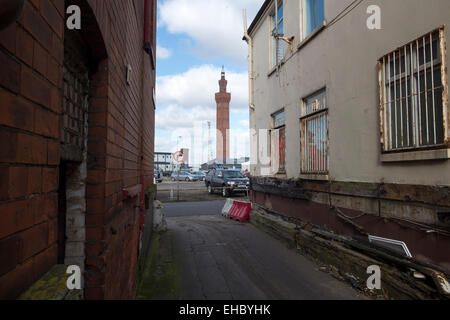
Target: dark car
[{"x": 226, "y": 181}]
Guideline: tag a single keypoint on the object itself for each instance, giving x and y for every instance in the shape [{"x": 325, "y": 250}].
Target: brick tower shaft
[{"x": 223, "y": 99}]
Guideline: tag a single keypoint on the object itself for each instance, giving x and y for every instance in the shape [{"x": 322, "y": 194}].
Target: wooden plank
[{"x": 431, "y": 195}]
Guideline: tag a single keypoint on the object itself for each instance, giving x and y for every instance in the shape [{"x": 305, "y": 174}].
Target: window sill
[
  {"x": 272, "y": 71},
  {"x": 320, "y": 177},
  {"x": 312, "y": 35},
  {"x": 440, "y": 154}
]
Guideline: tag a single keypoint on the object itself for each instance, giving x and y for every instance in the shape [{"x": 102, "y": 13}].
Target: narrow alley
[
  {"x": 196, "y": 157},
  {"x": 221, "y": 259}
]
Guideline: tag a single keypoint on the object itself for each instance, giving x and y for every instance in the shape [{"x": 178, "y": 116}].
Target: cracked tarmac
[{"x": 221, "y": 259}]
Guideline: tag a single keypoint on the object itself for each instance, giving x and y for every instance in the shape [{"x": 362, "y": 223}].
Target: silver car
[
  {"x": 201, "y": 175},
  {"x": 184, "y": 176}
]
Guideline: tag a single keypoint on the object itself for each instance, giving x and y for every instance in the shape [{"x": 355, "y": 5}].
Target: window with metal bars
[
  {"x": 413, "y": 100},
  {"x": 314, "y": 134}
]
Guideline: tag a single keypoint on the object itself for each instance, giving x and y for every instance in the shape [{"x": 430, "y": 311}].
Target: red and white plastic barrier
[
  {"x": 227, "y": 207},
  {"x": 239, "y": 210}
]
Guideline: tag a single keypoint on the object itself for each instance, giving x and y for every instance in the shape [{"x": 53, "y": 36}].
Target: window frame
[
  {"x": 305, "y": 117},
  {"x": 276, "y": 53},
  {"x": 410, "y": 74},
  {"x": 273, "y": 121},
  {"x": 280, "y": 128},
  {"x": 319, "y": 25}
]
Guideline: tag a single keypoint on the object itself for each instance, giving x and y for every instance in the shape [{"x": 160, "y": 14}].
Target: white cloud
[
  {"x": 176, "y": 117},
  {"x": 216, "y": 26},
  {"x": 162, "y": 53},
  {"x": 245, "y": 124},
  {"x": 197, "y": 87},
  {"x": 239, "y": 143}
]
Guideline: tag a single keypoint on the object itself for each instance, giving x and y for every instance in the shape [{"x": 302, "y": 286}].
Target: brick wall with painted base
[
  {"x": 400, "y": 212},
  {"x": 119, "y": 145}
]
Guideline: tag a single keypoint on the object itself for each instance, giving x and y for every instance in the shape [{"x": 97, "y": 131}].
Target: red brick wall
[
  {"x": 120, "y": 143},
  {"x": 31, "y": 55}
]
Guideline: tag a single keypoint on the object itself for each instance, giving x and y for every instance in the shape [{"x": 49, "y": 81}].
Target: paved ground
[
  {"x": 167, "y": 185},
  {"x": 223, "y": 259},
  {"x": 189, "y": 209}
]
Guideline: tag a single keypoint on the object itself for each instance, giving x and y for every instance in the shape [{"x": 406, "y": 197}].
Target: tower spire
[{"x": 223, "y": 82}]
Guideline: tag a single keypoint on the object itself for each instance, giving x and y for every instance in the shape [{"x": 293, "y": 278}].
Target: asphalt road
[
  {"x": 189, "y": 191},
  {"x": 189, "y": 209},
  {"x": 222, "y": 259},
  {"x": 168, "y": 185}
]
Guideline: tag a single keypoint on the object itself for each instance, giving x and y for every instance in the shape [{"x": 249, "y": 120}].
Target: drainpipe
[
  {"x": 10, "y": 10},
  {"x": 249, "y": 41},
  {"x": 147, "y": 25},
  {"x": 251, "y": 104},
  {"x": 148, "y": 47}
]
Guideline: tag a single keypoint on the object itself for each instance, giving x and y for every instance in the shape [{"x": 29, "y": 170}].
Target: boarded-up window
[
  {"x": 264, "y": 150},
  {"x": 274, "y": 151},
  {"x": 278, "y": 143},
  {"x": 314, "y": 134},
  {"x": 282, "y": 148}
]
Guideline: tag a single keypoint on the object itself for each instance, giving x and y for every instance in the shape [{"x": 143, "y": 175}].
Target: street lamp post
[{"x": 178, "y": 171}]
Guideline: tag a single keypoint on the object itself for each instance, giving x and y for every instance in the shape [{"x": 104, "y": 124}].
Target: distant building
[
  {"x": 185, "y": 157},
  {"x": 232, "y": 164},
  {"x": 164, "y": 162}
]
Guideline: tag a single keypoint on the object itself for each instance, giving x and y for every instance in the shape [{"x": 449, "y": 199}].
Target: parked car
[
  {"x": 158, "y": 176},
  {"x": 200, "y": 174},
  {"x": 226, "y": 181},
  {"x": 184, "y": 176}
]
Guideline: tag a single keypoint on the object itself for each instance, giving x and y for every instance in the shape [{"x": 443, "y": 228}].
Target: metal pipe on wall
[
  {"x": 148, "y": 21},
  {"x": 250, "y": 61}
]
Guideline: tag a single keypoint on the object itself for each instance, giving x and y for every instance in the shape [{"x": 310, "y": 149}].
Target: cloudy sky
[{"x": 195, "y": 38}]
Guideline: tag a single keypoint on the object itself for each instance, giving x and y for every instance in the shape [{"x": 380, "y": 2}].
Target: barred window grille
[
  {"x": 314, "y": 136},
  {"x": 412, "y": 95},
  {"x": 75, "y": 98}
]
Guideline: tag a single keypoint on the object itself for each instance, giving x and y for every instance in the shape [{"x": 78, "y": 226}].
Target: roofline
[{"x": 258, "y": 16}]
